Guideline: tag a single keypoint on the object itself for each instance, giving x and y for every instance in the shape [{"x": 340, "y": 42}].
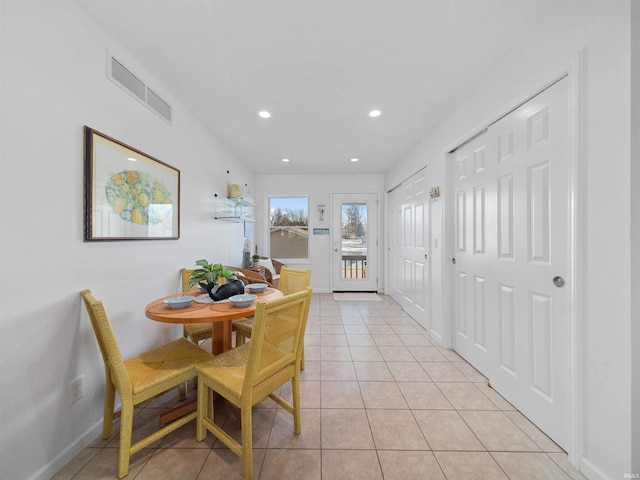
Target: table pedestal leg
[
  {"x": 220, "y": 342},
  {"x": 220, "y": 337}
]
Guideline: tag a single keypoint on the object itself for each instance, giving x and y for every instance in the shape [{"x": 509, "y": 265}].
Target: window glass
[
  {"x": 354, "y": 240},
  {"x": 289, "y": 227}
]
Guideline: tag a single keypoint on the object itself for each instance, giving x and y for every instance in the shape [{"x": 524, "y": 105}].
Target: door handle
[{"x": 558, "y": 282}]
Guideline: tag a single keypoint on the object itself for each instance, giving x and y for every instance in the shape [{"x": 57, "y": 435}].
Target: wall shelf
[
  {"x": 236, "y": 219},
  {"x": 243, "y": 202},
  {"x": 233, "y": 209}
]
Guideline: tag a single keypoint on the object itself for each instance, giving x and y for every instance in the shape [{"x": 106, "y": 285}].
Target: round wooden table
[{"x": 220, "y": 315}]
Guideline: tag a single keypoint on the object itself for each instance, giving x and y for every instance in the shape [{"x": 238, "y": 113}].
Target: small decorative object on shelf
[{"x": 235, "y": 191}]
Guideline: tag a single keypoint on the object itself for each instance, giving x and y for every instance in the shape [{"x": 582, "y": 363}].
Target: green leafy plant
[
  {"x": 256, "y": 257},
  {"x": 209, "y": 273}
]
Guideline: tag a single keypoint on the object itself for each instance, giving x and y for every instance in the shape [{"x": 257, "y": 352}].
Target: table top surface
[{"x": 204, "y": 312}]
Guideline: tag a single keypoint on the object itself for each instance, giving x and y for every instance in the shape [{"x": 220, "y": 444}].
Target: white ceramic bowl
[
  {"x": 243, "y": 300},
  {"x": 179, "y": 302},
  {"x": 256, "y": 287}
]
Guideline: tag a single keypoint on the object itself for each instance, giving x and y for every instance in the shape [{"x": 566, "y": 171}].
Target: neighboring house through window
[{"x": 289, "y": 227}]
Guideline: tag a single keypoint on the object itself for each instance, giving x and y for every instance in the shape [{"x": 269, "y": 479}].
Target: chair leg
[
  {"x": 302, "y": 359},
  {"x": 126, "y": 428},
  {"x": 109, "y": 403},
  {"x": 295, "y": 387},
  {"x": 203, "y": 410},
  {"x": 182, "y": 390},
  {"x": 240, "y": 339},
  {"x": 247, "y": 442}
]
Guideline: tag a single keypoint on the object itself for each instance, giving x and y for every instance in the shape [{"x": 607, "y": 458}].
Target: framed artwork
[{"x": 128, "y": 195}]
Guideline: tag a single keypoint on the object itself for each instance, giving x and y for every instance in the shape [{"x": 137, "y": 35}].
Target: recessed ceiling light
[
  {"x": 285, "y": 160},
  {"x": 264, "y": 114},
  {"x": 375, "y": 113},
  {"x": 354, "y": 160}
]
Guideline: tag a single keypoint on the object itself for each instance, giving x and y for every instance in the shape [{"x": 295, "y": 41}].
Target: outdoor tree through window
[
  {"x": 289, "y": 227},
  {"x": 354, "y": 240},
  {"x": 354, "y": 219}
]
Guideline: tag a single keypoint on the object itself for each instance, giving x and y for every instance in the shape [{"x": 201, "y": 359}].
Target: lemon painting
[{"x": 130, "y": 193}]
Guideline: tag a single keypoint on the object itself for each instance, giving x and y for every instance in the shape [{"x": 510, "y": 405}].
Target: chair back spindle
[{"x": 111, "y": 355}]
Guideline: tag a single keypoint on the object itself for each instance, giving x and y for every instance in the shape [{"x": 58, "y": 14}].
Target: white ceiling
[{"x": 319, "y": 66}]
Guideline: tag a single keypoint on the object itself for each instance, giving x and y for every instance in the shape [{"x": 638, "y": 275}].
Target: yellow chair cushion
[{"x": 152, "y": 368}]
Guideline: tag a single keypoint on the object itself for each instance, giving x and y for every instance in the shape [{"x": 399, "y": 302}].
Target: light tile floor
[{"x": 381, "y": 400}]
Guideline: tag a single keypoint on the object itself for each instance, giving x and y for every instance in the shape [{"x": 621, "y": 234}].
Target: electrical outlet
[{"x": 76, "y": 389}]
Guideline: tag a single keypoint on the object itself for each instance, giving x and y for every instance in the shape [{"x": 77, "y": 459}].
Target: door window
[{"x": 354, "y": 240}]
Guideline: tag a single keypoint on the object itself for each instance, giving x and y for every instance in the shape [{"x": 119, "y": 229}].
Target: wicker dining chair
[
  {"x": 196, "y": 332},
  {"x": 248, "y": 374},
  {"x": 291, "y": 280},
  {"x": 139, "y": 379}
]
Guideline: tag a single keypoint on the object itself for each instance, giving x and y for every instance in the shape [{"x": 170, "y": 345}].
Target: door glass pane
[
  {"x": 289, "y": 227},
  {"x": 354, "y": 240}
]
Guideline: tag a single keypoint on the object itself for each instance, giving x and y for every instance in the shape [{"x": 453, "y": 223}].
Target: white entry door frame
[
  {"x": 355, "y": 250},
  {"x": 575, "y": 252}
]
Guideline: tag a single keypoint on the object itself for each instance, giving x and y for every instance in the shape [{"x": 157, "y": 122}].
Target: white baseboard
[
  {"x": 592, "y": 472},
  {"x": 56, "y": 464}
]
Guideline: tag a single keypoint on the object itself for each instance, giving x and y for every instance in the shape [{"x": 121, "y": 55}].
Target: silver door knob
[{"x": 558, "y": 282}]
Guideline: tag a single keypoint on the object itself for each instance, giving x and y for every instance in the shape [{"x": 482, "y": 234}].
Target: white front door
[
  {"x": 408, "y": 247},
  {"x": 355, "y": 242},
  {"x": 511, "y": 305}
]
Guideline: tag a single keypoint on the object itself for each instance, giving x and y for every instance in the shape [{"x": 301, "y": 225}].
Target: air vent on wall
[{"x": 130, "y": 83}]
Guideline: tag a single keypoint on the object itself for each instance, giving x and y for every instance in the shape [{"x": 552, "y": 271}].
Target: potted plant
[
  {"x": 256, "y": 260},
  {"x": 210, "y": 274}
]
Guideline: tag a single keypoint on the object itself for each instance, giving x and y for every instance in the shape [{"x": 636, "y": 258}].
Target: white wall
[
  {"x": 320, "y": 189},
  {"x": 53, "y": 83},
  {"x": 635, "y": 234},
  {"x": 600, "y": 31}
]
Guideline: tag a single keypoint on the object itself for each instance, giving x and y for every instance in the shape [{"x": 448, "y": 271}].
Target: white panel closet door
[
  {"x": 512, "y": 258},
  {"x": 408, "y": 247}
]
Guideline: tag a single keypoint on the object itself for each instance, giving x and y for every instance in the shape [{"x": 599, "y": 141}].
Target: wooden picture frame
[{"x": 128, "y": 195}]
